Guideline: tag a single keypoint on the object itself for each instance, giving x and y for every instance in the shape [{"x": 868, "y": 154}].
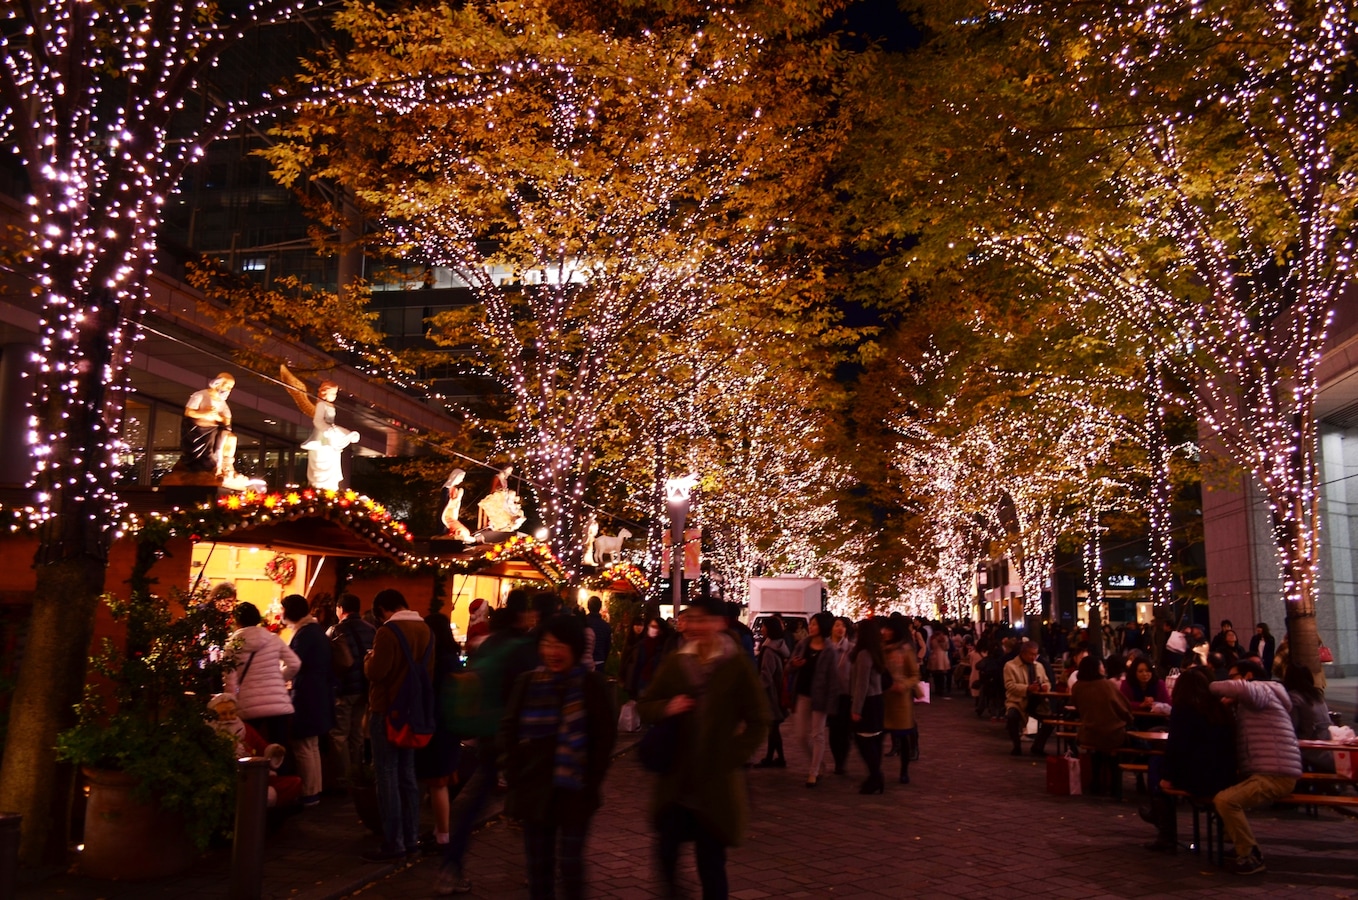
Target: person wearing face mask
[{"x": 646, "y": 657}]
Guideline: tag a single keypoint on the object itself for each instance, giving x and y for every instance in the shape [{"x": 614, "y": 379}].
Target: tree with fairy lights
[
  {"x": 101, "y": 106},
  {"x": 1206, "y": 155},
  {"x": 622, "y": 183}
]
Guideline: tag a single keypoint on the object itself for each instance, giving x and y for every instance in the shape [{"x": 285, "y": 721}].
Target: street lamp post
[{"x": 677, "y": 499}]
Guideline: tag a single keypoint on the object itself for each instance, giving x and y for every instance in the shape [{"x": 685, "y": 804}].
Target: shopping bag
[
  {"x": 922, "y": 692},
  {"x": 628, "y": 720},
  {"x": 1344, "y": 763},
  {"x": 1030, "y": 727},
  {"x": 1063, "y": 776}
]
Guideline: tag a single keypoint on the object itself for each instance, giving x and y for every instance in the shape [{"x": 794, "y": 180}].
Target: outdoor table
[
  {"x": 1328, "y": 745},
  {"x": 1149, "y": 735}
]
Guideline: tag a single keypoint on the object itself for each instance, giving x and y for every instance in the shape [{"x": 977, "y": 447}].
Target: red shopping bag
[{"x": 1063, "y": 776}]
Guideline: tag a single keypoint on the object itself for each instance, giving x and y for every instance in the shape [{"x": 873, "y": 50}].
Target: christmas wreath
[{"x": 282, "y": 569}]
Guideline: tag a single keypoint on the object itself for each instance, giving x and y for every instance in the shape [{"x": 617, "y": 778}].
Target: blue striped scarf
[{"x": 554, "y": 705}]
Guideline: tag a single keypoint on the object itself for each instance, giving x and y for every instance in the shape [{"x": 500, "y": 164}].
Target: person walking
[
  {"x": 866, "y": 708},
  {"x": 817, "y": 687},
  {"x": 436, "y": 763},
  {"x": 495, "y": 668},
  {"x": 557, "y": 735},
  {"x": 898, "y": 701},
  {"x": 313, "y": 695},
  {"x": 602, "y": 631},
  {"x": 772, "y": 659},
  {"x": 711, "y": 686},
  {"x": 940, "y": 662},
  {"x": 839, "y": 724}
]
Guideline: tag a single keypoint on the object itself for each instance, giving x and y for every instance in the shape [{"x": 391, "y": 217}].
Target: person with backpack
[
  {"x": 400, "y": 671},
  {"x": 351, "y": 700}
]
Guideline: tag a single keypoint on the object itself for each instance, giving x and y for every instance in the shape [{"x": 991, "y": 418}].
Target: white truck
[{"x": 792, "y": 598}]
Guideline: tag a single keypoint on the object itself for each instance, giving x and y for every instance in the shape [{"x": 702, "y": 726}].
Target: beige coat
[{"x": 898, "y": 701}]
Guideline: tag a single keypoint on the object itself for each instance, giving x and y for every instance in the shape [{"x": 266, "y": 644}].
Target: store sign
[{"x": 1122, "y": 581}]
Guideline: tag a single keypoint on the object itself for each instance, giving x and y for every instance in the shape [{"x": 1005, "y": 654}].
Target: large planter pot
[{"x": 128, "y": 838}]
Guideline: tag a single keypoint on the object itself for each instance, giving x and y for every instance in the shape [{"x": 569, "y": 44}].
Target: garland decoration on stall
[
  {"x": 530, "y": 550},
  {"x": 620, "y": 571}
]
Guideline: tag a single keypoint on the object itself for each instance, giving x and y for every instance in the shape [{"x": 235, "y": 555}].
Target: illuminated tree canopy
[
  {"x": 1186, "y": 168},
  {"x": 600, "y": 192}
]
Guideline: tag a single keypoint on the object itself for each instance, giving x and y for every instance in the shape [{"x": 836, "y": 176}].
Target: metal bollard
[
  {"x": 9, "y": 854},
  {"x": 247, "y": 846}
]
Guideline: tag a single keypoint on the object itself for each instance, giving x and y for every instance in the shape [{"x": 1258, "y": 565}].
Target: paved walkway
[{"x": 975, "y": 821}]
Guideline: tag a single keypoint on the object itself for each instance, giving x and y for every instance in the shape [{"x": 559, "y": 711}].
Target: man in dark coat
[
  {"x": 710, "y": 682},
  {"x": 351, "y": 701},
  {"x": 313, "y": 694},
  {"x": 603, "y": 634}
]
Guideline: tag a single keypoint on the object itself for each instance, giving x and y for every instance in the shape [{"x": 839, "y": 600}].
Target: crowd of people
[
  {"x": 1234, "y": 714},
  {"x": 542, "y": 723}
]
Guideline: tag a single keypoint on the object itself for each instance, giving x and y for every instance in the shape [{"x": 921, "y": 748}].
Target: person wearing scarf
[{"x": 557, "y": 738}]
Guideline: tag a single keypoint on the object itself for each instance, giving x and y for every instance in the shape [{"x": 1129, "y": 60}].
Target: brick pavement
[{"x": 974, "y": 821}]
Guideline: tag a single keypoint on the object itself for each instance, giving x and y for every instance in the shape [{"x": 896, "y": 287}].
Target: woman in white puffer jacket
[{"x": 258, "y": 680}]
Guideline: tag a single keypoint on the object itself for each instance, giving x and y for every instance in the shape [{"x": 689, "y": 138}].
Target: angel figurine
[
  {"x": 451, "y": 507},
  {"x": 328, "y": 440},
  {"x": 500, "y": 510}
]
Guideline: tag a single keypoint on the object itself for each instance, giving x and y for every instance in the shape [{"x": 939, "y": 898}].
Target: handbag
[{"x": 658, "y": 749}]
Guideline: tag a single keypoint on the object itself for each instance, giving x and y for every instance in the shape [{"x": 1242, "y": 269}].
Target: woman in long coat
[{"x": 898, "y": 701}]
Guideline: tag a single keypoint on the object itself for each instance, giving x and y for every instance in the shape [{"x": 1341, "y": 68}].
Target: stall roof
[
  {"x": 328, "y": 523},
  {"x": 313, "y": 535}
]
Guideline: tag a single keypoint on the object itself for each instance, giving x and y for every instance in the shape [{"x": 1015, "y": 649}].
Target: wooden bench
[
  {"x": 1202, "y": 807},
  {"x": 1312, "y": 802}
]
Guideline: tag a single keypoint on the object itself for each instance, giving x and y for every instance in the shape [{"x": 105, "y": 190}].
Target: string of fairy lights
[
  {"x": 92, "y": 101},
  {"x": 609, "y": 244},
  {"x": 1227, "y": 233}
]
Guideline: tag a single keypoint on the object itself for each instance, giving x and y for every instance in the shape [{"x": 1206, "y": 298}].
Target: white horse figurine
[{"x": 610, "y": 546}]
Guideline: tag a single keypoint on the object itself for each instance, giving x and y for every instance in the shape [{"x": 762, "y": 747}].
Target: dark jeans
[
  {"x": 469, "y": 803},
  {"x": 398, "y": 793},
  {"x": 677, "y": 824},
  {"x": 839, "y": 724},
  {"x": 545, "y": 843}
]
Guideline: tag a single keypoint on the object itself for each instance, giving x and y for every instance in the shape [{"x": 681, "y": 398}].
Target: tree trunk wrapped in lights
[
  {"x": 97, "y": 102},
  {"x": 1192, "y": 167}
]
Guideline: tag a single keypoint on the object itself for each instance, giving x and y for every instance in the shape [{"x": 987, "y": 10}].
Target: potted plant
[{"x": 161, "y": 779}]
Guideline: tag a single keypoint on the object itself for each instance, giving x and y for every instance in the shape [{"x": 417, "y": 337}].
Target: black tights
[{"x": 775, "y": 750}]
